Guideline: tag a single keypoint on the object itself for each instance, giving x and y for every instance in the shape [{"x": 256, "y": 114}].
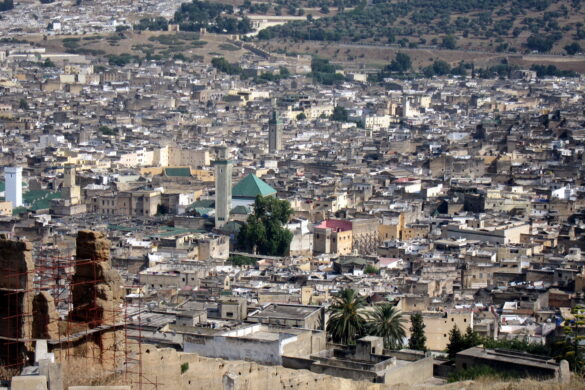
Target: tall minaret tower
[
  {"x": 70, "y": 190},
  {"x": 223, "y": 186},
  {"x": 274, "y": 130},
  {"x": 13, "y": 179}
]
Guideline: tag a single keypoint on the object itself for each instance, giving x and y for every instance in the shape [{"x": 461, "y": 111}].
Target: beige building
[
  {"x": 138, "y": 203},
  {"x": 500, "y": 234},
  {"x": 438, "y": 326},
  {"x": 188, "y": 157},
  {"x": 331, "y": 240},
  {"x": 5, "y": 208}
]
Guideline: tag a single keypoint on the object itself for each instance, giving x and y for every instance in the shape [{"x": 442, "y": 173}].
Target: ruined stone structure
[
  {"x": 96, "y": 287},
  {"x": 93, "y": 328},
  {"x": 46, "y": 319},
  {"x": 16, "y": 299}
]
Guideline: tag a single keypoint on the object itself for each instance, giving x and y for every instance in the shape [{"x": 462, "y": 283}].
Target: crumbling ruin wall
[
  {"x": 97, "y": 295},
  {"x": 96, "y": 287},
  {"x": 45, "y": 323},
  {"x": 16, "y": 282}
]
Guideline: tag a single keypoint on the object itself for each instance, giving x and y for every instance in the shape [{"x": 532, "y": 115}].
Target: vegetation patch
[
  {"x": 544, "y": 22},
  {"x": 228, "y": 47},
  {"x": 215, "y": 17},
  {"x": 239, "y": 260},
  {"x": 476, "y": 372}
]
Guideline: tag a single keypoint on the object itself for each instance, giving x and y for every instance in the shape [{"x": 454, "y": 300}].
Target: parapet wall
[{"x": 164, "y": 367}]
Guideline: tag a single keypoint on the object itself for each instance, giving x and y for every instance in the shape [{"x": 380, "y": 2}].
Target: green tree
[
  {"x": 301, "y": 116},
  {"x": 539, "y": 43},
  {"x": 456, "y": 342},
  {"x": 105, "y": 130},
  {"x": 48, "y": 63},
  {"x": 417, "y": 339},
  {"x": 23, "y": 104},
  {"x": 370, "y": 269},
  {"x": 402, "y": 63},
  {"x": 449, "y": 42},
  {"x": 347, "y": 320},
  {"x": 264, "y": 230},
  {"x": 574, "y": 335},
  {"x": 224, "y": 66},
  {"x": 573, "y": 48},
  {"x": 387, "y": 322},
  {"x": 161, "y": 209},
  {"x": 239, "y": 260},
  {"x": 441, "y": 68},
  {"x": 471, "y": 338},
  {"x": 339, "y": 114}
]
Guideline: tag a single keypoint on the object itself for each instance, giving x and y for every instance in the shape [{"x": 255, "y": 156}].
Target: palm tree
[
  {"x": 387, "y": 322},
  {"x": 347, "y": 319}
]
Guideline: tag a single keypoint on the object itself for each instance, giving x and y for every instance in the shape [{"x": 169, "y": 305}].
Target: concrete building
[
  {"x": 223, "y": 187},
  {"x": 296, "y": 316},
  {"x": 367, "y": 361},
  {"x": 520, "y": 363},
  {"x": 255, "y": 342},
  {"x": 13, "y": 180}
]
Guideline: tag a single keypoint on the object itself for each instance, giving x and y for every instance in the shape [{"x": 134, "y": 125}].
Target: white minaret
[
  {"x": 223, "y": 186},
  {"x": 13, "y": 180}
]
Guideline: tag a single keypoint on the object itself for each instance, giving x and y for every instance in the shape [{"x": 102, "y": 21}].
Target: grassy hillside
[{"x": 543, "y": 26}]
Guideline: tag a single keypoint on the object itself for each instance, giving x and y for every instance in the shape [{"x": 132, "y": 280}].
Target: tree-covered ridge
[{"x": 544, "y": 22}]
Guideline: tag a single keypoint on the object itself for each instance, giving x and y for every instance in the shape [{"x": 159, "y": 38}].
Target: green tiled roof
[
  {"x": 202, "y": 203},
  {"x": 352, "y": 260},
  {"x": 203, "y": 210},
  {"x": 232, "y": 227},
  {"x": 183, "y": 172},
  {"x": 39, "y": 199},
  {"x": 168, "y": 231},
  {"x": 241, "y": 210},
  {"x": 251, "y": 186}
]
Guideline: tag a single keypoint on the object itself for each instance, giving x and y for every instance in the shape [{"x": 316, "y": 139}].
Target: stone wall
[
  {"x": 45, "y": 317},
  {"x": 164, "y": 367},
  {"x": 411, "y": 373},
  {"x": 16, "y": 297},
  {"x": 96, "y": 287},
  {"x": 97, "y": 295}
]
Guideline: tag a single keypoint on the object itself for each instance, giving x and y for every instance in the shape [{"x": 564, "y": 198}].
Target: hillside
[{"x": 517, "y": 26}]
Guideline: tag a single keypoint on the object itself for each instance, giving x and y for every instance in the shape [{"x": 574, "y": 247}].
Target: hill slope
[{"x": 491, "y": 25}]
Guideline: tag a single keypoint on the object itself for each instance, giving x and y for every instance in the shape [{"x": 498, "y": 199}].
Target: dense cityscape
[{"x": 204, "y": 196}]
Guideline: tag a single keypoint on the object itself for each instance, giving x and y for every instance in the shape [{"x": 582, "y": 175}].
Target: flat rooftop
[{"x": 293, "y": 312}]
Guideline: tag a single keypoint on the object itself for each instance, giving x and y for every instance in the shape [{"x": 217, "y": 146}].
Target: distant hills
[{"x": 523, "y": 26}]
